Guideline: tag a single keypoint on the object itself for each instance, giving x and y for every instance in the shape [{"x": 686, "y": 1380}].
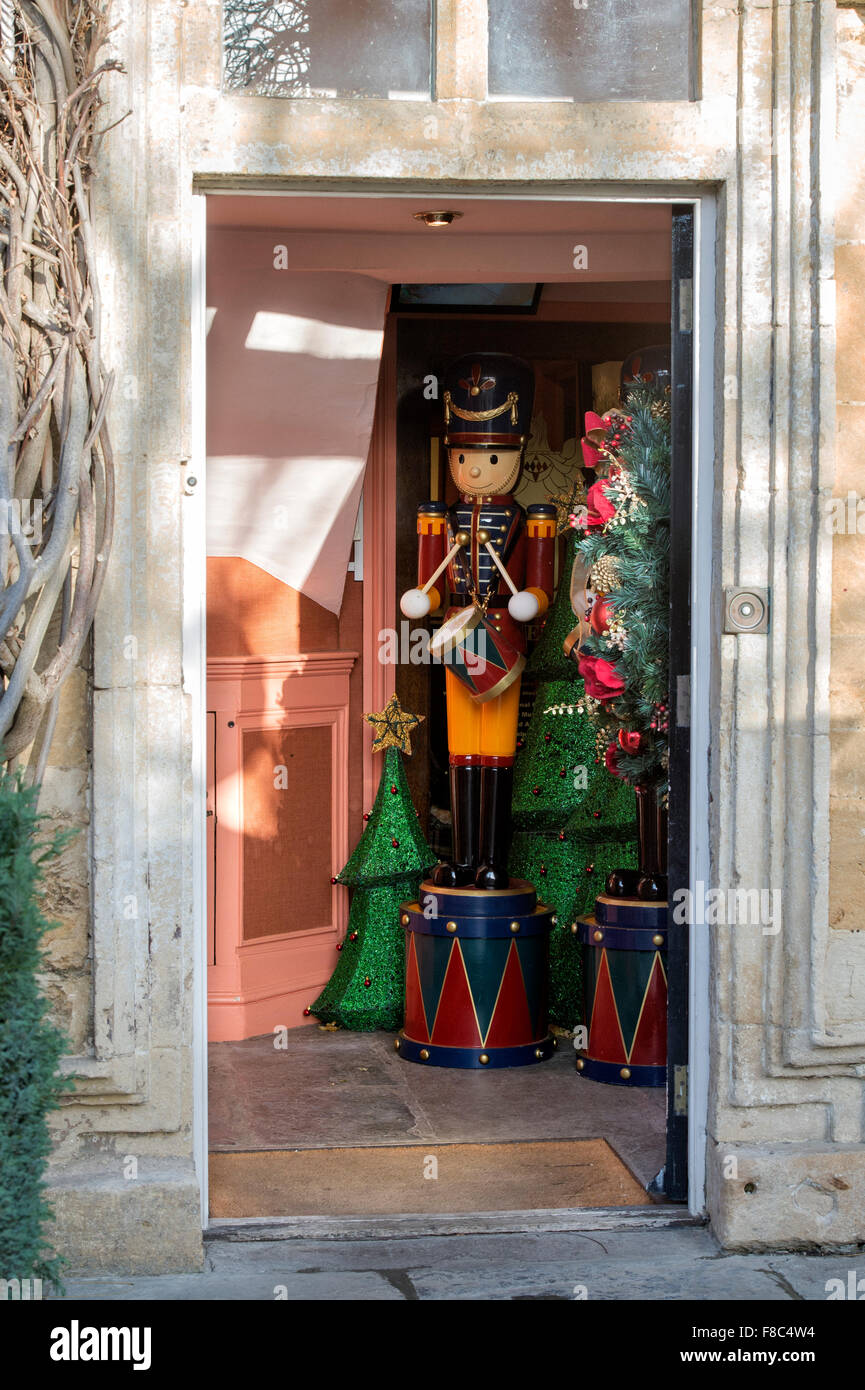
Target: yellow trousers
[{"x": 488, "y": 727}]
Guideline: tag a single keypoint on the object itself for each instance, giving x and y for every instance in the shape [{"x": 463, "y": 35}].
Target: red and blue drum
[
  {"x": 477, "y": 966},
  {"x": 625, "y": 981},
  {"x": 477, "y": 647}
]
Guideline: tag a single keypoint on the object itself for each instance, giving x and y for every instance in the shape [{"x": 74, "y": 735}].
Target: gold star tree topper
[{"x": 393, "y": 727}]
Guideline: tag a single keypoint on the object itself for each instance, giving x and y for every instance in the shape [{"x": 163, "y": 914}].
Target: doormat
[{"x": 439, "y": 1178}]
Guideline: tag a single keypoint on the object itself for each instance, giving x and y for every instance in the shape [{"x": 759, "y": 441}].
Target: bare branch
[{"x": 56, "y": 460}]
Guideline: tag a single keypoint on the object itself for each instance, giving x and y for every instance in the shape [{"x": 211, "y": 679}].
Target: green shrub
[{"x": 30, "y": 1045}]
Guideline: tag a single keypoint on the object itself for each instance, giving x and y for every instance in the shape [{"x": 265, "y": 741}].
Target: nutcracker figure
[{"x": 498, "y": 561}]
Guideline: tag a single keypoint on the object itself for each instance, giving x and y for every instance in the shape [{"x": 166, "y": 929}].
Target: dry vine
[{"x": 57, "y": 474}]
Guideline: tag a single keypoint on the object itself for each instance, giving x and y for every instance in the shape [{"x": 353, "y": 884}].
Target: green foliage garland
[
  {"x": 573, "y": 823},
  {"x": 637, "y": 541}
]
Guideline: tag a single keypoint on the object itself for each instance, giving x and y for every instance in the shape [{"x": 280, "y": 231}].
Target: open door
[{"x": 678, "y": 856}]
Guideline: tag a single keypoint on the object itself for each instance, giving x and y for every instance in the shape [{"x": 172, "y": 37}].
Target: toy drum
[
  {"x": 470, "y": 642},
  {"x": 454, "y": 632},
  {"x": 476, "y": 977},
  {"x": 625, "y": 981}
]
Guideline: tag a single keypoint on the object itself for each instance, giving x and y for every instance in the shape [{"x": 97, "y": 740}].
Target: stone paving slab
[
  {"x": 676, "y": 1265},
  {"x": 619, "y": 1281},
  {"x": 808, "y": 1275},
  {"x": 243, "y": 1286},
  {"x": 457, "y": 1252},
  {"x": 340, "y": 1089}
]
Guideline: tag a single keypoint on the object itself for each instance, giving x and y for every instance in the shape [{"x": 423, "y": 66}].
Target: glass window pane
[
  {"x": 598, "y": 50},
  {"x": 301, "y": 48}
]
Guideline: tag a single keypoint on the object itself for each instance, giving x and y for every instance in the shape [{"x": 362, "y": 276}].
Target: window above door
[
  {"x": 589, "y": 50},
  {"x": 517, "y": 50},
  {"x": 329, "y": 48}
]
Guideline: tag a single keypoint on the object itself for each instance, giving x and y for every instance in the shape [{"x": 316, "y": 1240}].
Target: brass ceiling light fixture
[{"x": 436, "y": 219}]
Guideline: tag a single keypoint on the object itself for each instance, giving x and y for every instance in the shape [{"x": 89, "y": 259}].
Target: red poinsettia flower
[
  {"x": 630, "y": 740},
  {"x": 603, "y": 681},
  {"x": 611, "y": 762},
  {"x": 599, "y": 504}
]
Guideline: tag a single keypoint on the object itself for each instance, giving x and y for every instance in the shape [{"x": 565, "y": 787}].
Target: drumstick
[
  {"x": 501, "y": 569},
  {"x": 443, "y": 566}
]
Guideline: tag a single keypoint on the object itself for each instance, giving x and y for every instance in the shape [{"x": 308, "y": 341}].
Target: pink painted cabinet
[{"x": 277, "y": 833}]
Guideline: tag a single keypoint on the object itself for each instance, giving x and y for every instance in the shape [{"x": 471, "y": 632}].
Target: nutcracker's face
[
  {"x": 487, "y": 399},
  {"x": 485, "y": 472}
]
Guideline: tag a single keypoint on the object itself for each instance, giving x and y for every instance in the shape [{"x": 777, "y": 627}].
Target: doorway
[{"x": 598, "y": 329}]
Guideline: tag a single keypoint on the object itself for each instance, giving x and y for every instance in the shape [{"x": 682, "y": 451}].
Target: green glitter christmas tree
[
  {"x": 573, "y": 822},
  {"x": 367, "y": 989}
]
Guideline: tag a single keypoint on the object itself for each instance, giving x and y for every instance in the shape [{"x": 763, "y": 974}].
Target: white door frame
[
  {"x": 195, "y": 635},
  {"x": 195, "y": 682}
]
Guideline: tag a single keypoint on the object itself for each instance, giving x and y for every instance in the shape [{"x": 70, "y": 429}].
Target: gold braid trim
[{"x": 510, "y": 404}]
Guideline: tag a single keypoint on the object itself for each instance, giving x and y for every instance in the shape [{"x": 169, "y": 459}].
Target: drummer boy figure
[{"x": 499, "y": 562}]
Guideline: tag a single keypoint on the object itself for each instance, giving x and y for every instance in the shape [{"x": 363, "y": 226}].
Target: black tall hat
[{"x": 488, "y": 398}]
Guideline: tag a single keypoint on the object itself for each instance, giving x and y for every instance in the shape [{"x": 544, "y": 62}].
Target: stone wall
[
  {"x": 65, "y": 797},
  {"x": 786, "y": 1012},
  {"x": 847, "y": 888}
]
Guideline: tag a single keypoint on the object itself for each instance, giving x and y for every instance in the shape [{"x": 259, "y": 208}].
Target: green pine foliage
[
  {"x": 569, "y": 875},
  {"x": 376, "y": 859},
  {"x": 30, "y": 1046},
  {"x": 637, "y": 539},
  {"x": 367, "y": 989},
  {"x": 548, "y": 661},
  {"x": 560, "y": 782}
]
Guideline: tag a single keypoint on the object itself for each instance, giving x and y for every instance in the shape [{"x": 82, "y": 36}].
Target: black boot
[
  {"x": 465, "y": 823},
  {"x": 622, "y": 883},
  {"x": 495, "y": 836}
]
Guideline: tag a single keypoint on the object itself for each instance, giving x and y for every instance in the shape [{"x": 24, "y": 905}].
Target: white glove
[
  {"x": 415, "y": 603},
  {"x": 523, "y": 606}
]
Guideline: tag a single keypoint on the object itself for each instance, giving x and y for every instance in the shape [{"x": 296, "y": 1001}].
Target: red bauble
[
  {"x": 393, "y": 791},
  {"x": 367, "y": 982},
  {"x": 307, "y": 1013},
  {"x": 395, "y": 844},
  {"x": 600, "y": 616},
  {"x": 353, "y": 936},
  {"x": 630, "y": 740},
  {"x": 536, "y": 791}
]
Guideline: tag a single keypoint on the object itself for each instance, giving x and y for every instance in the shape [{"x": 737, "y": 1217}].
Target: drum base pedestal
[
  {"x": 467, "y": 1058},
  {"x": 624, "y": 950},
  {"x": 611, "y": 1074},
  {"x": 477, "y": 965}
]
